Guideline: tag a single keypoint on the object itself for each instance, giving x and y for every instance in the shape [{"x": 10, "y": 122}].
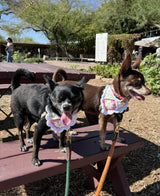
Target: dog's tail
[
  {"x": 15, "y": 82},
  {"x": 59, "y": 75}
]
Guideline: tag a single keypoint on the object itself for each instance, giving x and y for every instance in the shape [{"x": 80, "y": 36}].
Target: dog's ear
[
  {"x": 50, "y": 82},
  {"x": 80, "y": 84},
  {"x": 137, "y": 63},
  {"x": 126, "y": 65}
]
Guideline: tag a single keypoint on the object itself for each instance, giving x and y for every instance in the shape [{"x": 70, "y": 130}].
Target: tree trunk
[
  {"x": 62, "y": 49},
  {"x": 154, "y": 24}
]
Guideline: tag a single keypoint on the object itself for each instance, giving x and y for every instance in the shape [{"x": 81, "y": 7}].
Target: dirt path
[{"x": 72, "y": 64}]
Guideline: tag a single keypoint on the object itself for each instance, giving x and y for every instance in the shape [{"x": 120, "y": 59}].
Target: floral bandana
[
  {"x": 111, "y": 102},
  {"x": 55, "y": 123}
]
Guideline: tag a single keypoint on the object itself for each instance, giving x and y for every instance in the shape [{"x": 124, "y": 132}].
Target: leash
[
  {"x": 110, "y": 154},
  {"x": 58, "y": 127},
  {"x": 68, "y": 147}
]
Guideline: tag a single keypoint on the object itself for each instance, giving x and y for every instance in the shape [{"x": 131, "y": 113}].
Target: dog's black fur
[{"x": 28, "y": 103}]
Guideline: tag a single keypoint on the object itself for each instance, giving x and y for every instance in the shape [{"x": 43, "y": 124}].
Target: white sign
[{"x": 101, "y": 47}]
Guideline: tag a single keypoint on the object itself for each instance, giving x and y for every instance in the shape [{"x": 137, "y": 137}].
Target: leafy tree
[
  {"x": 23, "y": 40},
  {"x": 1, "y": 38},
  {"x": 71, "y": 24},
  {"x": 115, "y": 16},
  {"x": 146, "y": 13},
  {"x": 129, "y": 16},
  {"x": 59, "y": 20}
]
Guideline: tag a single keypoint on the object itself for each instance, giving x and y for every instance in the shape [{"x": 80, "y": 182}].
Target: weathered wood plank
[{"x": 16, "y": 167}]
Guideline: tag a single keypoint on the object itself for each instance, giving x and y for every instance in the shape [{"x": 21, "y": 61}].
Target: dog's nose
[
  {"x": 66, "y": 107},
  {"x": 148, "y": 91}
]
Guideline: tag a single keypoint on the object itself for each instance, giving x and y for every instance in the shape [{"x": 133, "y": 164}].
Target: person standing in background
[
  {"x": 139, "y": 51},
  {"x": 9, "y": 49}
]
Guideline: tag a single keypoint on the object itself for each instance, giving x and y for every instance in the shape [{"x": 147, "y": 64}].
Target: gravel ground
[{"x": 142, "y": 166}]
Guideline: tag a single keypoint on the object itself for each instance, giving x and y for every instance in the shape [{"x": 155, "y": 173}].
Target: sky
[{"x": 38, "y": 37}]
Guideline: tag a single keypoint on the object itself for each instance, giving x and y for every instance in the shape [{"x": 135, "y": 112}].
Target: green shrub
[
  {"x": 74, "y": 66},
  {"x": 117, "y": 44},
  {"x": 17, "y": 57},
  {"x": 107, "y": 71},
  {"x": 2, "y": 57},
  {"x": 150, "y": 67},
  {"x": 33, "y": 60}
]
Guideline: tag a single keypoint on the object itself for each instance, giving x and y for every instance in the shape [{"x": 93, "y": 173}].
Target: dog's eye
[
  {"x": 74, "y": 97},
  {"x": 137, "y": 84},
  {"x": 60, "y": 98}
]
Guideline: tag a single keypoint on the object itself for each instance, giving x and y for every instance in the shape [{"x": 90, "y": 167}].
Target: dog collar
[
  {"x": 55, "y": 123},
  {"x": 111, "y": 102},
  {"x": 117, "y": 95}
]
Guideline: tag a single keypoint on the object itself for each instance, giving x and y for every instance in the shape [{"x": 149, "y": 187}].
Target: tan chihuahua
[{"x": 106, "y": 101}]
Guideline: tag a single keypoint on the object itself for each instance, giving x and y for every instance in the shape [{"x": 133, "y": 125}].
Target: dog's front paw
[
  {"x": 55, "y": 136},
  {"x": 104, "y": 146},
  {"x": 30, "y": 141},
  {"x": 120, "y": 139},
  {"x": 36, "y": 162},
  {"x": 24, "y": 148},
  {"x": 72, "y": 132},
  {"x": 63, "y": 149}
]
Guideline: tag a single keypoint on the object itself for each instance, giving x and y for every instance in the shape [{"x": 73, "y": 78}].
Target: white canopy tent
[{"x": 149, "y": 42}]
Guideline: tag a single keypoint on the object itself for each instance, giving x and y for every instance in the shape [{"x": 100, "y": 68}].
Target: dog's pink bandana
[
  {"x": 111, "y": 102},
  {"x": 57, "y": 123}
]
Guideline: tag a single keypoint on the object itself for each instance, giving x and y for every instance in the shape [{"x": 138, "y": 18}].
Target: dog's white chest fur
[
  {"x": 110, "y": 104},
  {"x": 55, "y": 123}
]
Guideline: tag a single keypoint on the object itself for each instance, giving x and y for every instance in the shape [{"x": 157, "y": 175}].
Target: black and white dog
[{"x": 30, "y": 101}]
